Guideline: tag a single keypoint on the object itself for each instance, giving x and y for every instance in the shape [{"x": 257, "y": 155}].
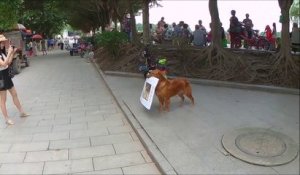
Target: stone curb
[
  {"x": 273, "y": 89},
  {"x": 159, "y": 159}
]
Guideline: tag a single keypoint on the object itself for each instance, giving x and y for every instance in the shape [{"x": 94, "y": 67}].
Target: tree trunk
[
  {"x": 102, "y": 28},
  {"x": 94, "y": 31},
  {"x": 146, "y": 28},
  {"x": 133, "y": 23},
  {"x": 221, "y": 63},
  {"x": 116, "y": 24},
  {"x": 285, "y": 68},
  {"x": 285, "y": 49},
  {"x": 215, "y": 24}
]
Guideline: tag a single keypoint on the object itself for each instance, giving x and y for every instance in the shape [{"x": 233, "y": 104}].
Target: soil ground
[{"x": 189, "y": 62}]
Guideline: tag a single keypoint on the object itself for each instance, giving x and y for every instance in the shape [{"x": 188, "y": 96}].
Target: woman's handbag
[
  {"x": 11, "y": 73},
  {"x": 1, "y": 81},
  {"x": 10, "y": 68}
]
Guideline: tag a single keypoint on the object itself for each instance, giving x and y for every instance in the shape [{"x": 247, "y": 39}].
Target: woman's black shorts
[{"x": 8, "y": 84}]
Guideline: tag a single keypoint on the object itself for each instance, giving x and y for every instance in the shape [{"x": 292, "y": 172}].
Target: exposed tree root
[
  {"x": 285, "y": 70},
  {"x": 220, "y": 63},
  {"x": 214, "y": 63}
]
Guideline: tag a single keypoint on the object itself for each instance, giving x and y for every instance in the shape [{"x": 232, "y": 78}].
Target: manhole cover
[{"x": 260, "y": 146}]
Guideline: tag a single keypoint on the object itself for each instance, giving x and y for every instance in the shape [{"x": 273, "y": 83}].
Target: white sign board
[{"x": 148, "y": 92}]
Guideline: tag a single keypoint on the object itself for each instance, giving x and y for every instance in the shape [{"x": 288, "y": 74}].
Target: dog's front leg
[
  {"x": 167, "y": 104},
  {"x": 161, "y": 103}
]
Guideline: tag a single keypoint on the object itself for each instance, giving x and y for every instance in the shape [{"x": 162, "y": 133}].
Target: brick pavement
[{"x": 75, "y": 125}]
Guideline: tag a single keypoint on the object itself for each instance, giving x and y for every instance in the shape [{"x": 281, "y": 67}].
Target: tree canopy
[
  {"x": 9, "y": 13},
  {"x": 295, "y": 11},
  {"x": 49, "y": 17},
  {"x": 43, "y": 16}
]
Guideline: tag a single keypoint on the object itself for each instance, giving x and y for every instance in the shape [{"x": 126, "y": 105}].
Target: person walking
[
  {"x": 90, "y": 53},
  {"x": 30, "y": 46},
  {"x": 61, "y": 43},
  {"x": 44, "y": 50},
  {"x": 6, "y": 81},
  {"x": 34, "y": 48}
]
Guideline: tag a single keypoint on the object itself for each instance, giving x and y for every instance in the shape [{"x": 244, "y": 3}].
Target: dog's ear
[{"x": 160, "y": 72}]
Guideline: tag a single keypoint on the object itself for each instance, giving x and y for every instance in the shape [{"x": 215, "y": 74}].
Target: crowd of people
[
  {"x": 237, "y": 31},
  {"x": 34, "y": 46},
  {"x": 181, "y": 31},
  {"x": 200, "y": 37}
]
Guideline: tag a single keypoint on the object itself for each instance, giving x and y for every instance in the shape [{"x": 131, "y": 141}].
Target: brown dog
[{"x": 167, "y": 88}]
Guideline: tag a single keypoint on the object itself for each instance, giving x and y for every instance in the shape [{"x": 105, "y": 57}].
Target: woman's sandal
[
  {"x": 24, "y": 115},
  {"x": 9, "y": 122}
]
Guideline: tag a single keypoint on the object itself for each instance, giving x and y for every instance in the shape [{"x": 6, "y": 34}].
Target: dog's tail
[{"x": 188, "y": 91}]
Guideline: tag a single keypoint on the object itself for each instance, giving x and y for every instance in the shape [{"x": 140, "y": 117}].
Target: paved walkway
[
  {"x": 75, "y": 125},
  {"x": 187, "y": 140}
]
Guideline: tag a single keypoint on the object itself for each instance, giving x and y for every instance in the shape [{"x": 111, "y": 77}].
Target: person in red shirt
[{"x": 269, "y": 35}]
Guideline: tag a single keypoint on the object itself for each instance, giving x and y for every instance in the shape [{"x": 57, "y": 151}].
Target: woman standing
[{"x": 7, "y": 84}]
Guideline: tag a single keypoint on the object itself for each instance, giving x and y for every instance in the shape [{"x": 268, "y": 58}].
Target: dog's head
[{"x": 156, "y": 73}]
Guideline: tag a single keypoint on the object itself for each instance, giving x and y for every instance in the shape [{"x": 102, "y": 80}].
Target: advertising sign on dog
[{"x": 148, "y": 92}]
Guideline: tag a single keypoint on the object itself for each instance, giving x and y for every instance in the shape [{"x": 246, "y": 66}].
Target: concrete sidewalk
[
  {"x": 75, "y": 125},
  {"x": 187, "y": 140}
]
